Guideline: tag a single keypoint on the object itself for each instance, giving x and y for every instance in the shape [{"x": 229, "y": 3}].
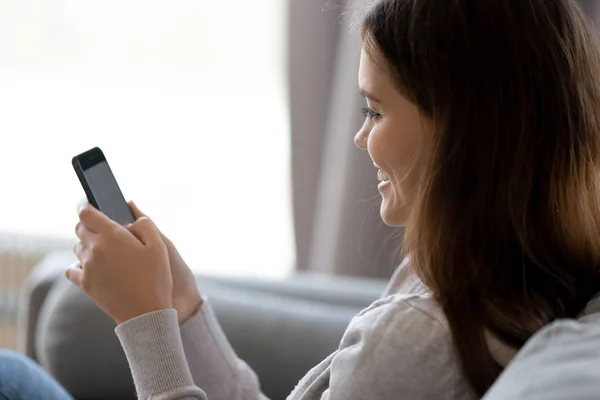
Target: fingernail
[
  {"x": 75, "y": 265},
  {"x": 82, "y": 204}
]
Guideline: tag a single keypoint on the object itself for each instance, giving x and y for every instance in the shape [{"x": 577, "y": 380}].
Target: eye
[{"x": 369, "y": 113}]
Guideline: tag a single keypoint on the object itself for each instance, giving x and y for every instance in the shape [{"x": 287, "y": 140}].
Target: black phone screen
[{"x": 101, "y": 186}]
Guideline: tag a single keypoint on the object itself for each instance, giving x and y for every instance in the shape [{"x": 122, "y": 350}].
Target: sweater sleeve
[
  {"x": 154, "y": 350},
  {"x": 213, "y": 363},
  {"x": 169, "y": 362}
]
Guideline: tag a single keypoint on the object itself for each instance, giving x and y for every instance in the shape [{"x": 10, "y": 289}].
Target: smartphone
[{"x": 101, "y": 187}]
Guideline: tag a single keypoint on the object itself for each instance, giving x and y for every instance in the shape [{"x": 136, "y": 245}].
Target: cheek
[
  {"x": 398, "y": 152},
  {"x": 394, "y": 150}
]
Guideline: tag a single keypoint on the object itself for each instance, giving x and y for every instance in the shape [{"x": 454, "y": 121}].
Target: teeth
[{"x": 382, "y": 176}]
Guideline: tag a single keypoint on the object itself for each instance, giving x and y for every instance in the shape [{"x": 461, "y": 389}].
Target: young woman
[{"x": 482, "y": 121}]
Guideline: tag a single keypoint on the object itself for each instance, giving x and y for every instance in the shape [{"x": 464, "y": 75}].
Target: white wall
[{"x": 187, "y": 100}]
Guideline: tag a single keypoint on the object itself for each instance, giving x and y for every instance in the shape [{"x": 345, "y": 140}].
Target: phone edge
[{"x": 83, "y": 182}]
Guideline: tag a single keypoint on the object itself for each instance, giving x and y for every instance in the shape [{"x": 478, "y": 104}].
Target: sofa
[{"x": 281, "y": 328}]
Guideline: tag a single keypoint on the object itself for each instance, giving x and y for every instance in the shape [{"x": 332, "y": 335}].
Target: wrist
[
  {"x": 187, "y": 304},
  {"x": 143, "y": 310}
]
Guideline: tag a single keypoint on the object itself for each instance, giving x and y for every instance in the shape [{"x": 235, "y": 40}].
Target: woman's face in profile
[{"x": 396, "y": 136}]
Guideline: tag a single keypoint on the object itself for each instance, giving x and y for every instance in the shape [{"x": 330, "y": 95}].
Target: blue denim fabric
[{"x": 22, "y": 379}]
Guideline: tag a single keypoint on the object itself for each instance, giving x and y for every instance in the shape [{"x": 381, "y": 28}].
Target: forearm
[
  {"x": 169, "y": 362},
  {"x": 153, "y": 347},
  {"x": 212, "y": 361}
]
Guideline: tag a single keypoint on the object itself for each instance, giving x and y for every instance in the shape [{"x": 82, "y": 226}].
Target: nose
[{"x": 360, "y": 140}]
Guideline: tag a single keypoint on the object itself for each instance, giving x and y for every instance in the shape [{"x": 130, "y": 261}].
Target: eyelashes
[{"x": 369, "y": 113}]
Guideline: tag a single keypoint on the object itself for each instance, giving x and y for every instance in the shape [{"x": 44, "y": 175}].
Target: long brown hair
[{"x": 506, "y": 227}]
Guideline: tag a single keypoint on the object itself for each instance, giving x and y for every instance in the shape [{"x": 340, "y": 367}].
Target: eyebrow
[{"x": 368, "y": 95}]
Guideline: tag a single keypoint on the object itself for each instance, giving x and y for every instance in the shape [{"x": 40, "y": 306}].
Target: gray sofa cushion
[
  {"x": 280, "y": 336},
  {"x": 34, "y": 293},
  {"x": 340, "y": 290},
  {"x": 76, "y": 343}
]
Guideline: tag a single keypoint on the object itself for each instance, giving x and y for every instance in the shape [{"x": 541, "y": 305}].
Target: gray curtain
[
  {"x": 335, "y": 201},
  {"x": 591, "y": 8},
  {"x": 336, "y": 204}
]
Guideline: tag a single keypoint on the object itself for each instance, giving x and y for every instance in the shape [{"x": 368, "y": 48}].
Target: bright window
[{"x": 187, "y": 100}]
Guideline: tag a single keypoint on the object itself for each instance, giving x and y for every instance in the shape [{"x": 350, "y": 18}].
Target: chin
[{"x": 393, "y": 214}]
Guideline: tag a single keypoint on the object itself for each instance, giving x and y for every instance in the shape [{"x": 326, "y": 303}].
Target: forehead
[
  {"x": 365, "y": 68},
  {"x": 371, "y": 73}
]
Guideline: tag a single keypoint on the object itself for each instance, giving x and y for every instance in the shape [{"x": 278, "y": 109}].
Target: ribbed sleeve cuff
[{"x": 153, "y": 347}]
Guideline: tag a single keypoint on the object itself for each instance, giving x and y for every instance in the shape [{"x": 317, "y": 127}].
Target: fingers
[
  {"x": 75, "y": 276},
  {"x": 135, "y": 210},
  {"x": 93, "y": 219},
  {"x": 137, "y": 213},
  {"x": 76, "y": 265},
  {"x": 81, "y": 253},
  {"x": 83, "y": 233},
  {"x": 145, "y": 230}
]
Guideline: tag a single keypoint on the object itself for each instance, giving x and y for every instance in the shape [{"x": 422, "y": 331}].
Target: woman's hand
[
  {"x": 186, "y": 297},
  {"x": 125, "y": 271}
]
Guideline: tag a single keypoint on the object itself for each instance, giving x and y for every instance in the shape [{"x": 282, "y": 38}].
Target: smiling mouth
[{"x": 382, "y": 176}]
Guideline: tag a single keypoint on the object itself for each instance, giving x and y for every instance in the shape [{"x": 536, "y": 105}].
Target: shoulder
[
  {"x": 404, "y": 342},
  {"x": 397, "y": 307},
  {"x": 399, "y": 319}
]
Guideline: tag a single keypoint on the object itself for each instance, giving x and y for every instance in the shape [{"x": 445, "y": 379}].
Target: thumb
[
  {"x": 145, "y": 230},
  {"x": 75, "y": 276},
  {"x": 135, "y": 210},
  {"x": 137, "y": 214}
]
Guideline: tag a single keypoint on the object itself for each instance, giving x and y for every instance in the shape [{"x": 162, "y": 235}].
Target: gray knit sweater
[{"x": 397, "y": 348}]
